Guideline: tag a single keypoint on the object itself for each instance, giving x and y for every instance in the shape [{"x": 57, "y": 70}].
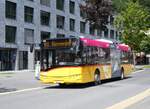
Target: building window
[
  {"x": 112, "y": 34},
  {"x": 82, "y": 13},
  {"x": 45, "y": 35},
  {"x": 10, "y": 10},
  {"x": 23, "y": 60},
  {"x": 99, "y": 32},
  {"x": 29, "y": 36},
  {"x": 106, "y": 33},
  {"x": 60, "y": 35},
  {"x": 28, "y": 14},
  {"x": 72, "y": 7},
  {"x": 10, "y": 33},
  {"x": 72, "y": 25},
  {"x": 91, "y": 30},
  {"x": 45, "y": 2},
  {"x": 60, "y": 22},
  {"x": 60, "y": 5},
  {"x": 82, "y": 27},
  {"x": 45, "y": 18}
]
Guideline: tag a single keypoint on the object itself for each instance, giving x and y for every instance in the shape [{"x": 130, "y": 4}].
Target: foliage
[
  {"x": 145, "y": 45},
  {"x": 145, "y": 3},
  {"x": 119, "y": 5},
  {"x": 97, "y": 12},
  {"x": 132, "y": 20}
]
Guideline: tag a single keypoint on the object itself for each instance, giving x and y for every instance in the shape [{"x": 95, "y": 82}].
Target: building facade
[{"x": 25, "y": 23}]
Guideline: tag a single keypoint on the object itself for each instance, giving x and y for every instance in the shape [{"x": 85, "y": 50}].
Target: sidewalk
[
  {"x": 18, "y": 80},
  {"x": 139, "y": 67}
]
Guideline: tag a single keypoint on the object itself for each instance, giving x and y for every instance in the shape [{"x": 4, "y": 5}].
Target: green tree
[
  {"x": 133, "y": 20},
  {"x": 119, "y": 5},
  {"x": 145, "y": 3},
  {"x": 145, "y": 45}
]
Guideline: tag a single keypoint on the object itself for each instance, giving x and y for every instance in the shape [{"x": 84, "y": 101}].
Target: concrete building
[{"x": 24, "y": 23}]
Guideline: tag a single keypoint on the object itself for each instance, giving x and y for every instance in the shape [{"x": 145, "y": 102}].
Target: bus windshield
[
  {"x": 55, "y": 58},
  {"x": 60, "y": 53},
  {"x": 65, "y": 57}
]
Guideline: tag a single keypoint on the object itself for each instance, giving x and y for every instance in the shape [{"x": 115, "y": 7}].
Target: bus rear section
[{"x": 126, "y": 59}]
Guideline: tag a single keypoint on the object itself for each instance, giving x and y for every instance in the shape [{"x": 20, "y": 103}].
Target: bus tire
[
  {"x": 97, "y": 79},
  {"x": 122, "y": 76}
]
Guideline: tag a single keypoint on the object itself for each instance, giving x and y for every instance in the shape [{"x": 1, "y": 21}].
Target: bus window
[{"x": 124, "y": 57}]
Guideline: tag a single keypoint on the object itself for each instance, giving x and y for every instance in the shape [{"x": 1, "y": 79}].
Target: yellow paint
[
  {"x": 77, "y": 74},
  {"x": 128, "y": 68},
  {"x": 130, "y": 101}
]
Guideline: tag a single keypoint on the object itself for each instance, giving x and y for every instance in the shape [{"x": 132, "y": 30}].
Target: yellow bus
[{"x": 83, "y": 60}]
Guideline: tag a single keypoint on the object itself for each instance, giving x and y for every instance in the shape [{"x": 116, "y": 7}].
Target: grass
[{"x": 147, "y": 66}]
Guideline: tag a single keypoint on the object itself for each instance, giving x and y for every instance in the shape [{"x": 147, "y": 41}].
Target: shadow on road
[
  {"x": 86, "y": 85},
  {"x": 3, "y": 89}
]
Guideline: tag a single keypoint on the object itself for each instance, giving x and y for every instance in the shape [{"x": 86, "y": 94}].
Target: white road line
[
  {"x": 23, "y": 90},
  {"x": 137, "y": 71},
  {"x": 130, "y": 101}
]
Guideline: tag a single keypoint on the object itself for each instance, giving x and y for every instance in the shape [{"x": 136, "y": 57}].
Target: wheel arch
[{"x": 97, "y": 71}]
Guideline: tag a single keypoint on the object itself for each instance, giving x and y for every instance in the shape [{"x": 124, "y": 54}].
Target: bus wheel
[
  {"x": 122, "y": 74},
  {"x": 97, "y": 79}
]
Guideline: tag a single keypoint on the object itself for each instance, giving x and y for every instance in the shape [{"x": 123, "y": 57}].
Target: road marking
[
  {"x": 138, "y": 71},
  {"x": 23, "y": 90},
  {"x": 130, "y": 101}
]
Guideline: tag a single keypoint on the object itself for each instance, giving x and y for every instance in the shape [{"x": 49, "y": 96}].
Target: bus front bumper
[{"x": 61, "y": 79}]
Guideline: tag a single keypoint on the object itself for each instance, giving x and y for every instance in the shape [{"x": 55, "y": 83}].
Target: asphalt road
[{"x": 30, "y": 94}]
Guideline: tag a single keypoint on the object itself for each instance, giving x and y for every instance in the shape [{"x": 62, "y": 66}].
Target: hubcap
[
  {"x": 97, "y": 79},
  {"x": 122, "y": 75}
]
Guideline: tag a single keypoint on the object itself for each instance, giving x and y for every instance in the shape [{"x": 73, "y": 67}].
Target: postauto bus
[{"x": 83, "y": 60}]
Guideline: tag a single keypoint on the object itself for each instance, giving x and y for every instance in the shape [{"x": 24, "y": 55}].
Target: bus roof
[
  {"x": 124, "y": 47},
  {"x": 96, "y": 43}
]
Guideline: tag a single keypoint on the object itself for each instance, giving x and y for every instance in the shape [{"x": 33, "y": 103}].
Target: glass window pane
[
  {"x": 60, "y": 22},
  {"x": 10, "y": 32},
  {"x": 45, "y": 18},
  {"x": 28, "y": 14},
  {"x": 60, "y": 4},
  {"x": 10, "y": 10},
  {"x": 72, "y": 7},
  {"x": 72, "y": 25},
  {"x": 82, "y": 27}
]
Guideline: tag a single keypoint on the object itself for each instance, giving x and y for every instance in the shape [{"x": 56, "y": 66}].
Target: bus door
[{"x": 115, "y": 62}]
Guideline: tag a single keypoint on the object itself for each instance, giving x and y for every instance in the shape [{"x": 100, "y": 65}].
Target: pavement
[
  {"x": 17, "y": 80},
  {"x": 22, "y": 90}
]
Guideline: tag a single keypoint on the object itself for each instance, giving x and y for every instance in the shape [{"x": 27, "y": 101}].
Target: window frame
[
  {"x": 43, "y": 19},
  {"x": 28, "y": 14},
  {"x": 9, "y": 11},
  {"x": 8, "y": 36}
]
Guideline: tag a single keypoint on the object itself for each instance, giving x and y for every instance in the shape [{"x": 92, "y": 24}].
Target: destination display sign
[{"x": 58, "y": 43}]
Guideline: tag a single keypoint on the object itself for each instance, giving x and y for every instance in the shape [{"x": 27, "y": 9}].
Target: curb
[{"x": 16, "y": 71}]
